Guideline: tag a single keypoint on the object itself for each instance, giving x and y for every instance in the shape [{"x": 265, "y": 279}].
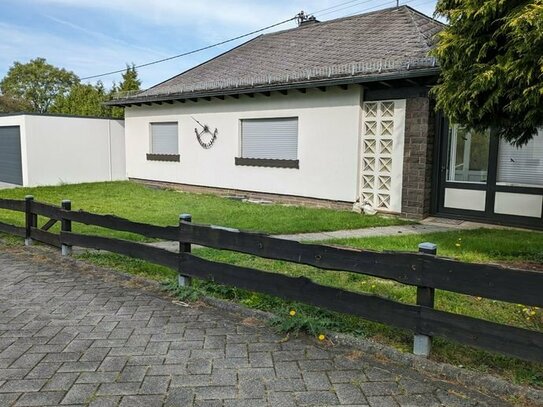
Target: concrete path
[
  {"x": 367, "y": 232},
  {"x": 72, "y": 335},
  {"x": 430, "y": 225}
]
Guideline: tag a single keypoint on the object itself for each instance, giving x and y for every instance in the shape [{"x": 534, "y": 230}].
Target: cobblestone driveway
[{"x": 72, "y": 336}]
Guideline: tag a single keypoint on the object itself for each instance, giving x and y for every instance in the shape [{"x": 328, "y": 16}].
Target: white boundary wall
[{"x": 64, "y": 149}]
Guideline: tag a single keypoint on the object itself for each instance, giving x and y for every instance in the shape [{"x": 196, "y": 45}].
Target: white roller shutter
[
  {"x": 521, "y": 166},
  {"x": 164, "y": 138},
  {"x": 270, "y": 138}
]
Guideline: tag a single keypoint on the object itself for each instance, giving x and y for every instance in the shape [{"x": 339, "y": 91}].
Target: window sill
[
  {"x": 267, "y": 162},
  {"x": 163, "y": 157}
]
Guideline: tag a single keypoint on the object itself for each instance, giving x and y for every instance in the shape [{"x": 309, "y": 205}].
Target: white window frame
[{"x": 451, "y": 159}]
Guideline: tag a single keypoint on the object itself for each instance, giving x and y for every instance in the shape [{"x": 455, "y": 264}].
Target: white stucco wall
[
  {"x": 71, "y": 150},
  {"x": 328, "y": 143}
]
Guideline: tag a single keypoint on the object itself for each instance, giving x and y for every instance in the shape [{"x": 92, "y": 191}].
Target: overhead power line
[
  {"x": 158, "y": 61},
  {"x": 329, "y": 10}
]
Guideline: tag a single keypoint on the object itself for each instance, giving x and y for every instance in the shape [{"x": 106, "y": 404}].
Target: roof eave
[{"x": 415, "y": 73}]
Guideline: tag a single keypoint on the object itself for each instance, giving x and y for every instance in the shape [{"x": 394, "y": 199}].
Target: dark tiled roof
[{"x": 390, "y": 40}]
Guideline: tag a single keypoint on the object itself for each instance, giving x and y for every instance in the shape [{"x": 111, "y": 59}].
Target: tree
[
  {"x": 491, "y": 58},
  {"x": 83, "y": 100},
  {"x": 130, "y": 80},
  {"x": 130, "y": 83},
  {"x": 37, "y": 82},
  {"x": 11, "y": 105}
]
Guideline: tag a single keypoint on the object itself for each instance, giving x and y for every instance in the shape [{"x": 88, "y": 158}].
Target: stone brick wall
[{"x": 418, "y": 157}]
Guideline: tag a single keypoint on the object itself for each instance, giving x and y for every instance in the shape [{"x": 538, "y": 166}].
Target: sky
[{"x": 91, "y": 37}]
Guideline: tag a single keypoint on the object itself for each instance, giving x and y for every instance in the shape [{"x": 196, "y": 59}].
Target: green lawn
[
  {"x": 483, "y": 245},
  {"x": 137, "y": 202},
  {"x": 476, "y": 246}
]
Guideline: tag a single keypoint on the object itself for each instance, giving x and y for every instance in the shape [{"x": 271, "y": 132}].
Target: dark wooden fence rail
[{"x": 424, "y": 271}]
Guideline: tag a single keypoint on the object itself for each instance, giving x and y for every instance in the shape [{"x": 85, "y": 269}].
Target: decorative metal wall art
[{"x": 205, "y": 137}]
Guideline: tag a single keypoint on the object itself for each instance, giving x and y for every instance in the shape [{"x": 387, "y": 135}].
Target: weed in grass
[
  {"x": 184, "y": 293},
  {"x": 301, "y": 318}
]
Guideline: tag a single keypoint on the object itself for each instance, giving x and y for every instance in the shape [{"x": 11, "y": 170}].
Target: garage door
[{"x": 10, "y": 155}]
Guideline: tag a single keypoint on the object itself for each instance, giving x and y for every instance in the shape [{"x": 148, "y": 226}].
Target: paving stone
[
  {"x": 79, "y": 366},
  {"x": 28, "y": 360},
  {"x": 252, "y": 389},
  {"x": 61, "y": 381},
  {"x": 43, "y": 370},
  {"x": 287, "y": 370},
  {"x": 216, "y": 392},
  {"x": 97, "y": 377},
  {"x": 286, "y": 385},
  {"x": 133, "y": 374},
  {"x": 22, "y": 385},
  {"x": 419, "y": 400},
  {"x": 282, "y": 399},
  {"x": 7, "y": 399},
  {"x": 106, "y": 401},
  {"x": 79, "y": 394},
  {"x": 380, "y": 388},
  {"x": 316, "y": 398},
  {"x": 382, "y": 401},
  {"x": 118, "y": 389},
  {"x": 44, "y": 398},
  {"x": 141, "y": 401},
  {"x": 346, "y": 376},
  {"x": 155, "y": 385},
  {"x": 349, "y": 394},
  {"x": 246, "y": 403},
  {"x": 179, "y": 397},
  {"x": 316, "y": 381}
]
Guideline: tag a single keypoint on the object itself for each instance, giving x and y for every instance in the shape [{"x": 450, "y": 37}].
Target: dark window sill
[
  {"x": 267, "y": 162},
  {"x": 163, "y": 157}
]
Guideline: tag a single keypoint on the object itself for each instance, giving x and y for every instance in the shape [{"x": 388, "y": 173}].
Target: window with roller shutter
[
  {"x": 164, "y": 142},
  {"x": 270, "y": 142}
]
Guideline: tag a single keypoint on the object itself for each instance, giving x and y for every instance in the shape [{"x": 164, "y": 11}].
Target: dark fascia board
[
  {"x": 415, "y": 73},
  {"x": 71, "y": 116}
]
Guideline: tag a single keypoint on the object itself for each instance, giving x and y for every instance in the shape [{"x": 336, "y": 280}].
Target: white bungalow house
[{"x": 332, "y": 113}]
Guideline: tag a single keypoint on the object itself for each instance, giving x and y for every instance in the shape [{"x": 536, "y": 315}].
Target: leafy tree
[
  {"x": 130, "y": 82},
  {"x": 37, "y": 82},
  {"x": 491, "y": 58},
  {"x": 83, "y": 100},
  {"x": 11, "y": 105}
]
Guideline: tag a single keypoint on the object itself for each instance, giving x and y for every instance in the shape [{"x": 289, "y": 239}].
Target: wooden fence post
[
  {"x": 184, "y": 281},
  {"x": 66, "y": 226},
  {"x": 422, "y": 344},
  {"x": 31, "y": 219}
]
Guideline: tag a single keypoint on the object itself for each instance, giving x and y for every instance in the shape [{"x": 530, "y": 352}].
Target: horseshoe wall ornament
[{"x": 205, "y": 142}]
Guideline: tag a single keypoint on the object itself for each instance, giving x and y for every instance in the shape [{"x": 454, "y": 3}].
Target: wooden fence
[{"x": 424, "y": 271}]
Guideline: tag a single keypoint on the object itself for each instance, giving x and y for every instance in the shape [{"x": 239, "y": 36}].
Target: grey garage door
[{"x": 10, "y": 155}]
